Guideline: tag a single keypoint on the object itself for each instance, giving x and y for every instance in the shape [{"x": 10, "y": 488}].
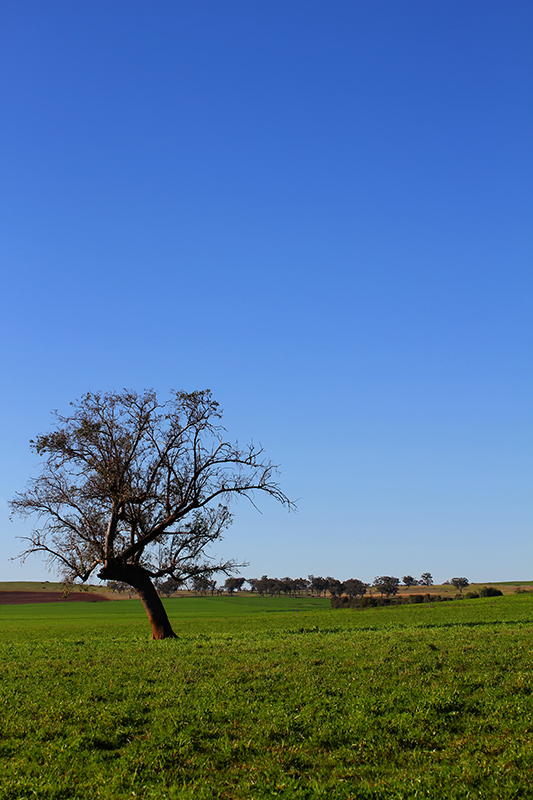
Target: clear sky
[{"x": 320, "y": 210}]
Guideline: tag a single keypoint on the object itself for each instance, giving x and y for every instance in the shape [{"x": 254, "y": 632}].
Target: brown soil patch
[{"x": 14, "y": 598}]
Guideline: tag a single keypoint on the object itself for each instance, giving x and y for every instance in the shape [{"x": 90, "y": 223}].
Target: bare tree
[{"x": 137, "y": 490}]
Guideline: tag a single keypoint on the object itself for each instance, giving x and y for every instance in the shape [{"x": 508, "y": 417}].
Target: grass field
[{"x": 264, "y": 698}]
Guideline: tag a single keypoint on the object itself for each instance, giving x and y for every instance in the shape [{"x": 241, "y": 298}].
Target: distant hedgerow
[
  {"x": 490, "y": 591},
  {"x": 371, "y": 601}
]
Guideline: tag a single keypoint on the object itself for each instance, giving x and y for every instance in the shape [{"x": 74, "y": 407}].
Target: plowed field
[{"x": 14, "y": 598}]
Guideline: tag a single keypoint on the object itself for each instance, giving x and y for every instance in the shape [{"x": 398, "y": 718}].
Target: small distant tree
[
  {"x": 426, "y": 579},
  {"x": 409, "y": 581},
  {"x": 317, "y": 584},
  {"x": 335, "y": 587},
  {"x": 386, "y": 585},
  {"x": 168, "y": 587},
  {"x": 233, "y": 584},
  {"x": 287, "y": 585},
  {"x": 301, "y": 585},
  {"x": 262, "y": 585},
  {"x": 115, "y": 586},
  {"x": 201, "y": 584},
  {"x": 460, "y": 583},
  {"x": 355, "y": 588}
]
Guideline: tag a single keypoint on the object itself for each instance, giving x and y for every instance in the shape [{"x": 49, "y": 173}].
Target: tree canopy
[
  {"x": 460, "y": 583},
  {"x": 137, "y": 490},
  {"x": 386, "y": 584}
]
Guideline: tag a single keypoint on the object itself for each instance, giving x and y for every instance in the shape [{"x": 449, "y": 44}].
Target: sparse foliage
[
  {"x": 426, "y": 579},
  {"x": 137, "y": 490}
]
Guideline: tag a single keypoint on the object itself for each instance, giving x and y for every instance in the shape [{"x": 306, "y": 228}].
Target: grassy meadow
[{"x": 267, "y": 698}]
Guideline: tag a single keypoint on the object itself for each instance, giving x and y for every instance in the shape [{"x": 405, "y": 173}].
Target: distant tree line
[
  {"x": 387, "y": 586},
  {"x": 386, "y": 600}
]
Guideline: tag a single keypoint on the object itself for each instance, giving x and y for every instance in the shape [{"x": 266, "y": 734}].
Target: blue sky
[{"x": 319, "y": 210}]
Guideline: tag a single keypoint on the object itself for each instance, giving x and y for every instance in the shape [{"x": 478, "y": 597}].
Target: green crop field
[{"x": 267, "y": 698}]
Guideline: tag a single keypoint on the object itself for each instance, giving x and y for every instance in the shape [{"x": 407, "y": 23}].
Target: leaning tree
[{"x": 137, "y": 490}]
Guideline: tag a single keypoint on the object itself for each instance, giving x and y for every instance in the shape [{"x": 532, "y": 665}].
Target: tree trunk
[{"x": 138, "y": 578}]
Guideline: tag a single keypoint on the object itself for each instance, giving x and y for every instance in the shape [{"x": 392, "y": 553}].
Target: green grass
[{"x": 268, "y": 698}]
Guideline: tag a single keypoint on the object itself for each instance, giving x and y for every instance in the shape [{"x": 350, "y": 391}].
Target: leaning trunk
[
  {"x": 138, "y": 578},
  {"x": 153, "y": 605}
]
